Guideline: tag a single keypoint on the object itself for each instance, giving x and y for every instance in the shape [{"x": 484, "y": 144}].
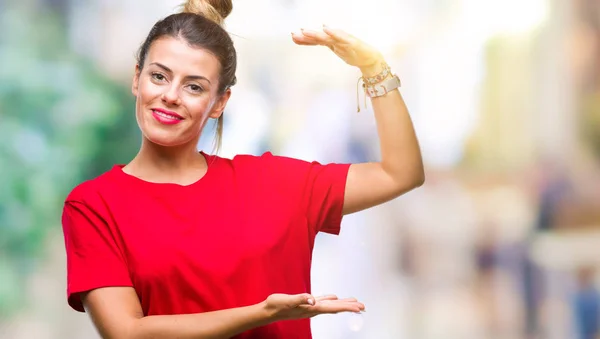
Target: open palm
[
  {"x": 285, "y": 306},
  {"x": 349, "y": 48}
]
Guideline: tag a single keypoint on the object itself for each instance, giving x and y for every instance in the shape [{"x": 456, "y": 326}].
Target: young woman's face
[{"x": 176, "y": 92}]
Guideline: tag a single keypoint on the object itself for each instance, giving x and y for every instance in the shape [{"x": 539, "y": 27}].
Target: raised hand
[
  {"x": 349, "y": 48},
  {"x": 299, "y": 306}
]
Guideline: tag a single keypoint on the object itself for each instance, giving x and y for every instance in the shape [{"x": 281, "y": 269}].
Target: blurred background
[{"x": 502, "y": 241}]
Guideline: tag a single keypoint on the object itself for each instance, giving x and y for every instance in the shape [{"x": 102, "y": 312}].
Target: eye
[
  {"x": 158, "y": 77},
  {"x": 196, "y": 88}
]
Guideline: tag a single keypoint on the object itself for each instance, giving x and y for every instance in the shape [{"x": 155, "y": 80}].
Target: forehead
[{"x": 183, "y": 58}]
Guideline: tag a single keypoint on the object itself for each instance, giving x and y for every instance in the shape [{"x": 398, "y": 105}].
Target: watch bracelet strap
[
  {"x": 383, "y": 87},
  {"x": 373, "y": 80}
]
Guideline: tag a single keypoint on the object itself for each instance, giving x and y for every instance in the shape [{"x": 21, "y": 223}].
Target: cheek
[
  {"x": 145, "y": 96},
  {"x": 199, "y": 107},
  {"x": 148, "y": 90}
]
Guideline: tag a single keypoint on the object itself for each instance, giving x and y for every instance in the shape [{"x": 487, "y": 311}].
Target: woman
[{"x": 181, "y": 244}]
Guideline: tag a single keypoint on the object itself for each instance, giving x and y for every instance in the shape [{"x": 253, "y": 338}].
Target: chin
[
  {"x": 164, "y": 143},
  {"x": 164, "y": 138},
  {"x": 167, "y": 136},
  {"x": 168, "y": 142}
]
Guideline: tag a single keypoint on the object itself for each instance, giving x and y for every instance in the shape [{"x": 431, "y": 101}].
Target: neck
[{"x": 178, "y": 164}]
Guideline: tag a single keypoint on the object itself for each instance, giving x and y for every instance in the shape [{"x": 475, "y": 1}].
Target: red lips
[{"x": 166, "y": 117}]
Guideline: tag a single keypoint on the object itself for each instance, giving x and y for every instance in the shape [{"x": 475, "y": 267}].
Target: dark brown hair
[{"x": 200, "y": 25}]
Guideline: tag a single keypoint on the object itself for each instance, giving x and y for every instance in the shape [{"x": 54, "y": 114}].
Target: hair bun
[{"x": 215, "y": 10}]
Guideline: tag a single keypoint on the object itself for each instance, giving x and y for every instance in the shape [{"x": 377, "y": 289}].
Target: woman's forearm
[
  {"x": 400, "y": 151},
  {"x": 211, "y": 325}
]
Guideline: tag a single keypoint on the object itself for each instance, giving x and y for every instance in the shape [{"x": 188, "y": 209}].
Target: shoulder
[
  {"x": 246, "y": 160},
  {"x": 88, "y": 191},
  {"x": 284, "y": 167},
  {"x": 270, "y": 159},
  {"x": 271, "y": 165}
]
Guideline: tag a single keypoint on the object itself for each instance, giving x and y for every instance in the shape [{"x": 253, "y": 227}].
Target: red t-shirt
[{"x": 242, "y": 232}]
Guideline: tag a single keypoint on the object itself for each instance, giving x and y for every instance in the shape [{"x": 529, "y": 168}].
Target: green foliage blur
[{"x": 61, "y": 122}]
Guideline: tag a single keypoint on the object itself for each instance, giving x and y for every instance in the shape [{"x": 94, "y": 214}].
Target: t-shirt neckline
[{"x": 210, "y": 162}]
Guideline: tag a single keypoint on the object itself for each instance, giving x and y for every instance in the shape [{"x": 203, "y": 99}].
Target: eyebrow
[{"x": 193, "y": 77}]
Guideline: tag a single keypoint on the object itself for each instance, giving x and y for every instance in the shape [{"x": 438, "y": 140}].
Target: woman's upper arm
[
  {"x": 368, "y": 185},
  {"x": 94, "y": 257},
  {"x": 113, "y": 310}
]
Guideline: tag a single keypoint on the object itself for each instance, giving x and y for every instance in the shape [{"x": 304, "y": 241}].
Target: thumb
[{"x": 304, "y": 298}]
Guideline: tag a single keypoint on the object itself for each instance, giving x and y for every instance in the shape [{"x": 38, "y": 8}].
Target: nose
[{"x": 171, "y": 95}]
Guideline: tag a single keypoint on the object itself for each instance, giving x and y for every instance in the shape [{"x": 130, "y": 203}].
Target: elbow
[
  {"x": 419, "y": 179},
  {"x": 417, "y": 183},
  {"x": 405, "y": 178},
  {"x": 408, "y": 182}
]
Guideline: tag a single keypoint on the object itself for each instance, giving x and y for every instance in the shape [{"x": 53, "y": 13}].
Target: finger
[
  {"x": 302, "y": 43},
  {"x": 338, "y": 35},
  {"x": 320, "y": 309},
  {"x": 303, "y": 40},
  {"x": 326, "y": 297},
  {"x": 337, "y": 307},
  {"x": 353, "y": 305},
  {"x": 349, "y": 303},
  {"x": 337, "y": 300},
  {"x": 318, "y": 36}
]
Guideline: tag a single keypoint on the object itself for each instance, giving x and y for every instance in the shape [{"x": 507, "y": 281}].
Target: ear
[
  {"x": 136, "y": 81},
  {"x": 219, "y": 106}
]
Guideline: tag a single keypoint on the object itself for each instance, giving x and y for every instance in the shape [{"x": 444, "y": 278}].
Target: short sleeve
[
  {"x": 94, "y": 259},
  {"x": 321, "y": 188}
]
